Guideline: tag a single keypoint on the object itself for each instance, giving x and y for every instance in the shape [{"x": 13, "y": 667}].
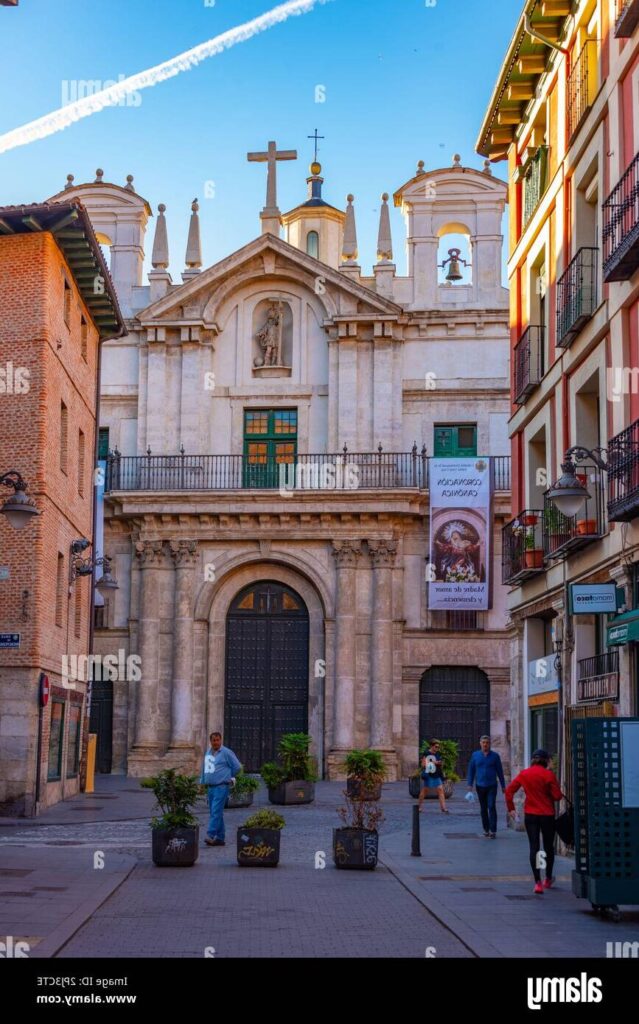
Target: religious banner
[{"x": 460, "y": 534}]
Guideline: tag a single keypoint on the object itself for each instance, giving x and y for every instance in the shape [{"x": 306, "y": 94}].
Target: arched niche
[{"x": 272, "y": 338}]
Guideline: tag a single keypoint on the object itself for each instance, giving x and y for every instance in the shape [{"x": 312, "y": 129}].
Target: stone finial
[
  {"x": 70, "y": 180},
  {"x": 457, "y": 160},
  {"x": 384, "y": 239},
  {"x": 487, "y": 167},
  {"x": 129, "y": 183},
  {"x": 349, "y": 247},
  {"x": 194, "y": 245},
  {"x": 420, "y": 168},
  {"x": 160, "y": 257},
  {"x": 99, "y": 175}
]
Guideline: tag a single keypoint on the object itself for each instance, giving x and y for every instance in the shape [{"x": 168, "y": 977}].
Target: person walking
[
  {"x": 541, "y": 787},
  {"x": 433, "y": 775},
  {"x": 484, "y": 770},
  {"x": 218, "y": 775}
]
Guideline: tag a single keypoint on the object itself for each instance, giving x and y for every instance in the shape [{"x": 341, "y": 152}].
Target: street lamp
[
  {"x": 567, "y": 493},
  {"x": 80, "y": 567},
  {"x": 18, "y": 509}
]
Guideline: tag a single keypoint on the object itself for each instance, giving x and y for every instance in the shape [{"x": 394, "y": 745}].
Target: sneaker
[
  {"x": 538, "y": 889},
  {"x": 486, "y": 835},
  {"x": 548, "y": 883},
  {"x": 493, "y": 835},
  {"x": 209, "y": 841}
]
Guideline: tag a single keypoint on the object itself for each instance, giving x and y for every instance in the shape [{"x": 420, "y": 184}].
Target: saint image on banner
[{"x": 459, "y": 557}]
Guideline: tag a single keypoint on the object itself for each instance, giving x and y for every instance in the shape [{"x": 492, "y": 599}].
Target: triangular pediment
[{"x": 265, "y": 257}]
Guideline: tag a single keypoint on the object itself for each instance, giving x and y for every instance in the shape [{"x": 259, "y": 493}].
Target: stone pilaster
[
  {"x": 145, "y": 751},
  {"x": 347, "y": 555},
  {"x": 383, "y": 554},
  {"x": 185, "y": 557}
]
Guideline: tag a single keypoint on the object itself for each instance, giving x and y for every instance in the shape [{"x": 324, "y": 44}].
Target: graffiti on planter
[{"x": 176, "y": 845}]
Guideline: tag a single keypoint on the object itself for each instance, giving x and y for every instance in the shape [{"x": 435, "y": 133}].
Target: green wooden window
[
  {"x": 103, "y": 443},
  {"x": 455, "y": 442},
  {"x": 55, "y": 740},
  {"x": 270, "y": 440}
]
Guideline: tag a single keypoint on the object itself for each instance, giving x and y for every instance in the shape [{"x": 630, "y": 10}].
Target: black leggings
[{"x": 544, "y": 825}]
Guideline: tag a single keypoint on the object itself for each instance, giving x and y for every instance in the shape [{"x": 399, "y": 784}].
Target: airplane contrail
[{"x": 60, "y": 119}]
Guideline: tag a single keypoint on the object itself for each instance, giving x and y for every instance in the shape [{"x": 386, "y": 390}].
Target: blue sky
[{"x": 403, "y": 81}]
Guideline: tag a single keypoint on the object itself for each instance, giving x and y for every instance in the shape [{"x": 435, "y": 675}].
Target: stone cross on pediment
[{"x": 271, "y": 156}]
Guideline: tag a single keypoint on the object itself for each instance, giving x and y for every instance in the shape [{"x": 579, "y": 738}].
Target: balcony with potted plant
[
  {"x": 564, "y": 534},
  {"x": 258, "y": 840},
  {"x": 522, "y": 547},
  {"x": 623, "y": 475},
  {"x": 291, "y": 779},
  {"x": 175, "y": 835}
]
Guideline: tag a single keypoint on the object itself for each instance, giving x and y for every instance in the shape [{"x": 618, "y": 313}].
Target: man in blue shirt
[
  {"x": 218, "y": 773},
  {"x": 484, "y": 769}
]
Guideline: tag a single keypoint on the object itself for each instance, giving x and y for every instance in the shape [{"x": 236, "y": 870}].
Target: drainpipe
[{"x": 541, "y": 38}]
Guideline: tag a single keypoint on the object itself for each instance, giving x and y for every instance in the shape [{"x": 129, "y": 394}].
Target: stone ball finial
[
  {"x": 99, "y": 174},
  {"x": 487, "y": 167},
  {"x": 129, "y": 183},
  {"x": 384, "y": 197},
  {"x": 195, "y": 206},
  {"x": 420, "y": 167},
  {"x": 70, "y": 180},
  {"x": 316, "y": 168},
  {"x": 350, "y": 197},
  {"x": 162, "y": 208},
  {"x": 457, "y": 160}
]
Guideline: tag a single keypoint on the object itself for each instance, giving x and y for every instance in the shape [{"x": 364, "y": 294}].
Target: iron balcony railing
[
  {"x": 581, "y": 86},
  {"x": 627, "y": 18},
  {"x": 621, "y": 227},
  {"x": 340, "y": 472},
  {"x": 576, "y": 295},
  {"x": 598, "y": 677},
  {"x": 564, "y": 534},
  {"x": 623, "y": 475},
  {"x": 528, "y": 363},
  {"x": 534, "y": 183},
  {"x": 522, "y": 547}
]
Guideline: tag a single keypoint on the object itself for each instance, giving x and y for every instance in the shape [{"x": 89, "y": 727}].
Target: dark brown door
[
  {"x": 101, "y": 722},
  {"x": 454, "y": 704},
  {"x": 266, "y": 671}
]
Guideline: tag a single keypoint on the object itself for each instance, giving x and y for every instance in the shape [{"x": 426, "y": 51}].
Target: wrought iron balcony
[
  {"x": 522, "y": 547},
  {"x": 528, "y": 363},
  {"x": 599, "y": 677},
  {"x": 576, "y": 295},
  {"x": 621, "y": 227},
  {"x": 627, "y": 14},
  {"x": 563, "y": 534},
  {"x": 346, "y": 471},
  {"x": 623, "y": 475},
  {"x": 581, "y": 86},
  {"x": 535, "y": 181}
]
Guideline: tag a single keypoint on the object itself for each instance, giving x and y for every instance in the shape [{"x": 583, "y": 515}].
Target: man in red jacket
[{"x": 541, "y": 788}]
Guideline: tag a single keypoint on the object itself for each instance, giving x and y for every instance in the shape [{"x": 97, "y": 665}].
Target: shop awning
[{"x": 624, "y": 629}]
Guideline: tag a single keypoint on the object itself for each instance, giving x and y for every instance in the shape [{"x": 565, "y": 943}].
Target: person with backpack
[{"x": 542, "y": 789}]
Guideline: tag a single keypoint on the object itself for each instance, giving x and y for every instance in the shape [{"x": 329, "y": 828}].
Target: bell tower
[{"x": 315, "y": 227}]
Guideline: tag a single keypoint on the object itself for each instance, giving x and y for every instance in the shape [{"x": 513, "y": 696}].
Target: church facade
[{"x": 267, "y": 425}]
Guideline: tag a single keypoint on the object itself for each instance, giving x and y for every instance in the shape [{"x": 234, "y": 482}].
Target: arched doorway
[
  {"x": 267, "y": 657},
  {"x": 454, "y": 704}
]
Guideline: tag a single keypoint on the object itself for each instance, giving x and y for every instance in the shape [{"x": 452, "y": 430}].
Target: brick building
[{"x": 57, "y": 304}]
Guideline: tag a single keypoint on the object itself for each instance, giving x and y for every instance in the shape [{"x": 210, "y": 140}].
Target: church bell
[{"x": 454, "y": 265}]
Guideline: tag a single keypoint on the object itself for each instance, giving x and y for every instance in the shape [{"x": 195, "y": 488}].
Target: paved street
[{"x": 465, "y": 897}]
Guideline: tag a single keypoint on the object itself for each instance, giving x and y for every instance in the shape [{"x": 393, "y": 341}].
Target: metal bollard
[{"x": 415, "y": 847}]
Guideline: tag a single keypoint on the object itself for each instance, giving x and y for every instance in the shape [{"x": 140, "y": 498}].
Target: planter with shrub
[
  {"x": 175, "y": 835},
  {"x": 258, "y": 840},
  {"x": 242, "y": 793},
  {"x": 533, "y": 556},
  {"x": 449, "y": 752},
  {"x": 586, "y": 527},
  {"x": 291, "y": 779},
  {"x": 365, "y": 773},
  {"x": 356, "y": 844}
]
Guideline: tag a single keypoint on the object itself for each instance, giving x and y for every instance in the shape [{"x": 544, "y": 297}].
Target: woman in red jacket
[{"x": 541, "y": 788}]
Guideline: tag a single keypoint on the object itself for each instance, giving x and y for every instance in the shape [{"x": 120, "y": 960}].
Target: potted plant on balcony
[
  {"x": 555, "y": 526},
  {"x": 258, "y": 840},
  {"x": 365, "y": 773},
  {"x": 356, "y": 843},
  {"x": 533, "y": 556},
  {"x": 291, "y": 779},
  {"x": 586, "y": 527},
  {"x": 175, "y": 835},
  {"x": 449, "y": 753},
  {"x": 529, "y": 520},
  {"x": 242, "y": 793}
]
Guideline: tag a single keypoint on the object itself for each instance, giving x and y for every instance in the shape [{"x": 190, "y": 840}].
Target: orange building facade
[
  {"x": 56, "y": 306},
  {"x": 565, "y": 116}
]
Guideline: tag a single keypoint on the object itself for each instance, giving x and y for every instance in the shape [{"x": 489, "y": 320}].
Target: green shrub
[
  {"x": 449, "y": 753},
  {"x": 272, "y": 774},
  {"x": 265, "y": 819},
  {"x": 366, "y": 766},
  {"x": 294, "y": 763},
  {"x": 245, "y": 784},
  {"x": 176, "y": 795}
]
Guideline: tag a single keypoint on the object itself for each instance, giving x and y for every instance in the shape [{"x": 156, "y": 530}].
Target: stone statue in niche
[{"x": 270, "y": 338}]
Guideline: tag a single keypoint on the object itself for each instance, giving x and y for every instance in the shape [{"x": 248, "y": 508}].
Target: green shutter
[{"x": 456, "y": 442}]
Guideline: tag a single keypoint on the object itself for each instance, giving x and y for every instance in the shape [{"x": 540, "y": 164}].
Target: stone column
[
  {"x": 184, "y": 554},
  {"x": 383, "y": 553},
  {"x": 150, "y": 556},
  {"x": 347, "y": 554}
]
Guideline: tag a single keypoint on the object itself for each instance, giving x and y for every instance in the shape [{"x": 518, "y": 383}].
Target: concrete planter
[
  {"x": 355, "y": 849},
  {"x": 175, "y": 847},
  {"x": 292, "y": 793},
  {"x": 258, "y": 847},
  {"x": 243, "y": 800}
]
